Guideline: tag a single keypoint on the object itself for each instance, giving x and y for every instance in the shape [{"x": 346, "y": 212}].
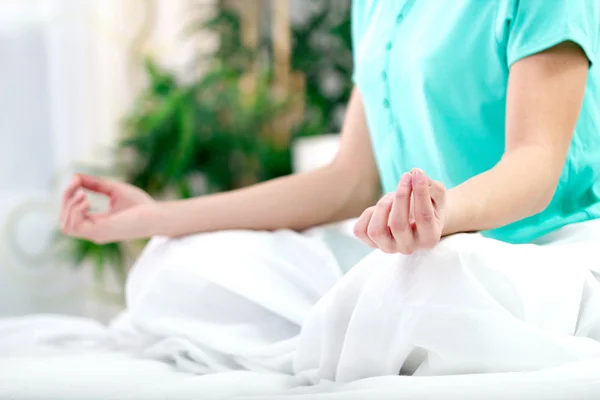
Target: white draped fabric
[{"x": 276, "y": 314}]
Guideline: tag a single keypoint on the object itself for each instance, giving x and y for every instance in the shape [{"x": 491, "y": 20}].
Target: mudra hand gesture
[{"x": 407, "y": 220}]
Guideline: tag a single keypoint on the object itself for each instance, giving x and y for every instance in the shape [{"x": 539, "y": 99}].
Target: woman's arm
[
  {"x": 544, "y": 97},
  {"x": 338, "y": 191}
]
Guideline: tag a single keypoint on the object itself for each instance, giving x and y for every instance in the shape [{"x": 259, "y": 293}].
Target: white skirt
[{"x": 285, "y": 302}]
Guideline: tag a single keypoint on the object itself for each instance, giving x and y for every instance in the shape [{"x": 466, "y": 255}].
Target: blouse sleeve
[{"x": 537, "y": 25}]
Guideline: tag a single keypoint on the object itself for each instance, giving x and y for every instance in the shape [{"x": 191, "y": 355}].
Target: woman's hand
[
  {"x": 407, "y": 220},
  {"x": 128, "y": 216}
]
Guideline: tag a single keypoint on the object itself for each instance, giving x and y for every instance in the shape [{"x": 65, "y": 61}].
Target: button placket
[{"x": 387, "y": 100}]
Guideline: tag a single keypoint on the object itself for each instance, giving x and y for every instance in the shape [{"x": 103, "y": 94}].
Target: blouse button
[
  {"x": 386, "y": 103},
  {"x": 399, "y": 18},
  {"x": 388, "y": 46}
]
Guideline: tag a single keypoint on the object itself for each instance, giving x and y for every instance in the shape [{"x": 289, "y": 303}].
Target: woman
[{"x": 473, "y": 116}]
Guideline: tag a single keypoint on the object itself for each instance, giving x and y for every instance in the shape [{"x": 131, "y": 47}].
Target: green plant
[
  {"x": 322, "y": 50},
  {"x": 99, "y": 255},
  {"x": 215, "y": 130},
  {"x": 210, "y": 127}
]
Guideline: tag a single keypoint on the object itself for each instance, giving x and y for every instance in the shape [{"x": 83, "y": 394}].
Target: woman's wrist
[
  {"x": 157, "y": 219},
  {"x": 449, "y": 215},
  {"x": 454, "y": 214},
  {"x": 177, "y": 218}
]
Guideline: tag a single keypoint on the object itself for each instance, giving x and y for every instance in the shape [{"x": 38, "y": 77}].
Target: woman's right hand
[{"x": 131, "y": 214}]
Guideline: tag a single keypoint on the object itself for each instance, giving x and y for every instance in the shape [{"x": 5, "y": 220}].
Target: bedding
[
  {"x": 117, "y": 376},
  {"x": 285, "y": 315}
]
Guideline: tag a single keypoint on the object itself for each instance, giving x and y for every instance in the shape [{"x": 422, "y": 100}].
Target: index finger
[
  {"x": 422, "y": 196},
  {"x": 399, "y": 221},
  {"x": 424, "y": 211},
  {"x": 97, "y": 185}
]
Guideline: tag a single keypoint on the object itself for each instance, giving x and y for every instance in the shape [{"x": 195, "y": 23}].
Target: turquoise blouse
[{"x": 433, "y": 75}]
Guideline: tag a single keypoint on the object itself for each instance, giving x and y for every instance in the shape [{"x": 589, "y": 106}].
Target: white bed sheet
[
  {"x": 114, "y": 376},
  {"x": 108, "y": 376},
  {"x": 254, "y": 322}
]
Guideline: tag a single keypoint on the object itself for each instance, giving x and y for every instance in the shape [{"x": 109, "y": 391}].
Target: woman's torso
[{"x": 433, "y": 75}]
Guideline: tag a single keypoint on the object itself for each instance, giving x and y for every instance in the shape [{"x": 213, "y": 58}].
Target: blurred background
[{"x": 179, "y": 97}]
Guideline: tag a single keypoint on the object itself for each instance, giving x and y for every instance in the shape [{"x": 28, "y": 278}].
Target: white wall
[
  {"x": 68, "y": 72},
  {"x": 29, "y": 162}
]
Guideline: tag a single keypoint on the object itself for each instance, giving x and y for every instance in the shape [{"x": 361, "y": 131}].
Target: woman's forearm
[
  {"x": 341, "y": 190},
  {"x": 520, "y": 185},
  {"x": 544, "y": 97},
  {"x": 294, "y": 202}
]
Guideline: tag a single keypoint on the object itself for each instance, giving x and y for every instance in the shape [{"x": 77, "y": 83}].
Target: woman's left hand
[{"x": 407, "y": 220}]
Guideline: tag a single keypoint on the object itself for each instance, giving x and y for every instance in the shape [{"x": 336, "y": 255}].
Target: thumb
[
  {"x": 437, "y": 192},
  {"x": 97, "y": 227},
  {"x": 106, "y": 227}
]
